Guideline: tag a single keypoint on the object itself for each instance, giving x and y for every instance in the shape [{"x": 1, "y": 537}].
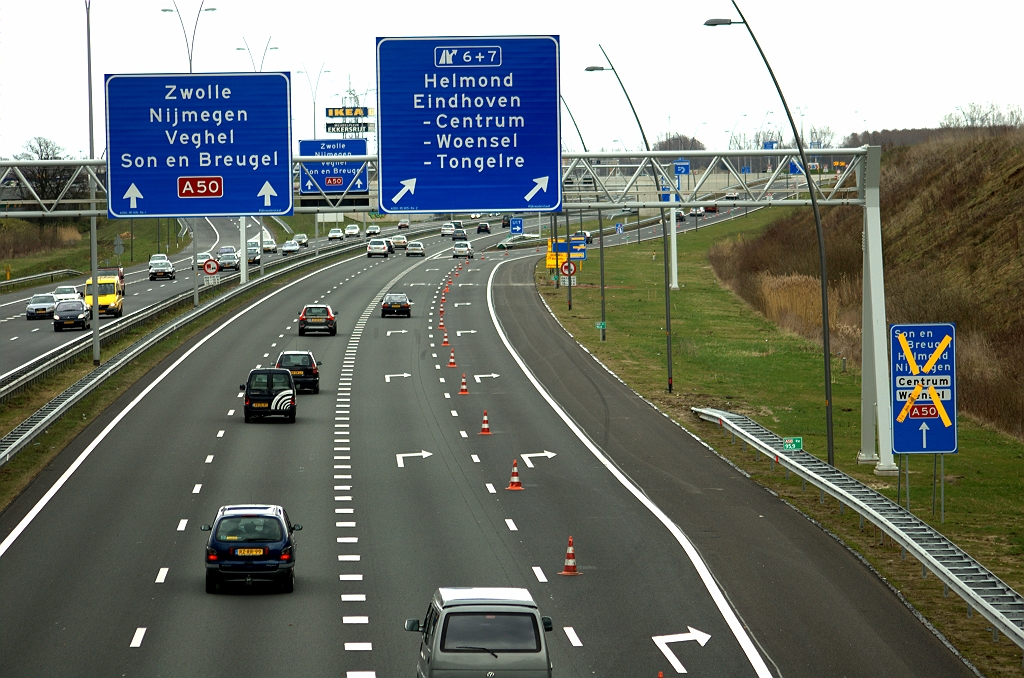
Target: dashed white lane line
[
  {"x": 195, "y": 490},
  {"x": 350, "y": 577},
  {"x": 280, "y": 336},
  {"x": 448, "y": 396},
  {"x": 539, "y": 573},
  {"x": 359, "y": 647},
  {"x": 240, "y": 394},
  {"x": 137, "y": 638},
  {"x": 455, "y": 413},
  {"x": 161, "y": 576},
  {"x": 220, "y": 434},
  {"x": 349, "y": 558},
  {"x": 360, "y": 674},
  {"x": 347, "y": 523},
  {"x": 463, "y": 434},
  {"x": 490, "y": 488},
  {"x": 436, "y": 367},
  {"x": 353, "y": 597},
  {"x": 476, "y": 459},
  {"x": 570, "y": 633},
  {"x": 273, "y": 345},
  {"x": 13, "y": 338},
  {"x": 511, "y": 525},
  {"x": 441, "y": 379},
  {"x": 36, "y": 329},
  {"x": 348, "y": 540},
  {"x": 209, "y": 459},
  {"x": 344, "y": 510},
  {"x": 266, "y": 355},
  {"x": 355, "y": 620},
  {"x": 181, "y": 524},
  {"x": 231, "y": 413}
]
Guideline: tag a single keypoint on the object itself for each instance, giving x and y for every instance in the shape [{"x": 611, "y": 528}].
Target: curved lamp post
[
  {"x": 817, "y": 225},
  {"x": 253, "y": 61},
  {"x": 313, "y": 90},
  {"x": 190, "y": 45}
]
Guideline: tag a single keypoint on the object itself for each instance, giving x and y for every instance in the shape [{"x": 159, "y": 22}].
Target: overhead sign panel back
[
  {"x": 210, "y": 144},
  {"x": 469, "y": 124}
]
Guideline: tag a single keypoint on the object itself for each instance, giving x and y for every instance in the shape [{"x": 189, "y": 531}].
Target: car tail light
[
  {"x": 293, "y": 402},
  {"x": 316, "y": 370},
  {"x": 247, "y": 403},
  {"x": 286, "y": 553},
  {"x": 302, "y": 316},
  {"x": 211, "y": 554},
  {"x": 330, "y": 316}
]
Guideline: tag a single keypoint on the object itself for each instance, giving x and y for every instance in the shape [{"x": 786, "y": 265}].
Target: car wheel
[
  {"x": 385, "y": 255},
  {"x": 288, "y": 583},
  {"x": 334, "y": 331},
  {"x": 248, "y": 419},
  {"x": 316, "y": 389},
  {"x": 369, "y": 256},
  {"x": 291, "y": 417},
  {"x": 151, "y": 278},
  {"x": 212, "y": 585},
  {"x": 383, "y": 314},
  {"x": 56, "y": 328},
  {"x": 302, "y": 332}
]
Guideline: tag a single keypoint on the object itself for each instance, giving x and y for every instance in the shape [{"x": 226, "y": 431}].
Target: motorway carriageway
[{"x": 686, "y": 563}]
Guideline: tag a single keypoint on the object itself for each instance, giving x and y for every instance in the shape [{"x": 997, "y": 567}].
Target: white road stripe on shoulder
[
  {"x": 570, "y": 633},
  {"x": 539, "y": 573},
  {"x": 137, "y": 638}
]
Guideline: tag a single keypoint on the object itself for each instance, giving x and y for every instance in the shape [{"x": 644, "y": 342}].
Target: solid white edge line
[{"x": 753, "y": 656}]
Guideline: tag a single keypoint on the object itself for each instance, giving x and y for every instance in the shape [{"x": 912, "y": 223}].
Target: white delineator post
[{"x": 243, "y": 253}]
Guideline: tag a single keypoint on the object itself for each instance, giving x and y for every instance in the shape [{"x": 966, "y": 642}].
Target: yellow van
[{"x": 111, "y": 295}]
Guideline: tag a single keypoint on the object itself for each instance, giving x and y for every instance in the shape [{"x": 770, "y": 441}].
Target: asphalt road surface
[{"x": 687, "y": 564}]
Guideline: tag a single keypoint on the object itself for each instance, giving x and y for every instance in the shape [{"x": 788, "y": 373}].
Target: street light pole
[
  {"x": 93, "y": 255},
  {"x": 251, "y": 59},
  {"x": 190, "y": 46},
  {"x": 313, "y": 90},
  {"x": 817, "y": 225}
]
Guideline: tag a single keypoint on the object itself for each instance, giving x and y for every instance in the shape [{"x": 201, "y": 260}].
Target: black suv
[
  {"x": 304, "y": 368},
  {"x": 317, "y": 318},
  {"x": 268, "y": 392},
  {"x": 251, "y": 542},
  {"x": 506, "y": 221},
  {"x": 483, "y": 227},
  {"x": 396, "y": 304}
]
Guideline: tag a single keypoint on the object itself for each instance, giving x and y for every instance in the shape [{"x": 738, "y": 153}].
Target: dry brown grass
[{"x": 20, "y": 238}]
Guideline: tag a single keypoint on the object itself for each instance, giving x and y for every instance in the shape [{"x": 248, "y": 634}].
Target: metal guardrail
[
  {"x": 44, "y": 417},
  {"x": 39, "y": 276},
  {"x": 983, "y": 590}
]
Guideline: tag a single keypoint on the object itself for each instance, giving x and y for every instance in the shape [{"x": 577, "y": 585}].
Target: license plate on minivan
[{"x": 261, "y": 404}]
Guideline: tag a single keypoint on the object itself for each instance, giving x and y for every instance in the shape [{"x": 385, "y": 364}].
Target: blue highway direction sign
[
  {"x": 681, "y": 167},
  {"x": 333, "y": 177},
  {"x": 515, "y": 226},
  {"x": 210, "y": 144},
  {"x": 923, "y": 388},
  {"x": 469, "y": 124}
]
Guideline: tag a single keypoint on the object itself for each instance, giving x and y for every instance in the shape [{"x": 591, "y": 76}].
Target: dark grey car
[{"x": 71, "y": 314}]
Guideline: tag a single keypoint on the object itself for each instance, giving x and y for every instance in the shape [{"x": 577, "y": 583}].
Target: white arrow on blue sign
[
  {"x": 923, "y": 388},
  {"x": 515, "y": 226},
  {"x": 333, "y": 177},
  {"x": 209, "y": 144},
  {"x": 469, "y": 124}
]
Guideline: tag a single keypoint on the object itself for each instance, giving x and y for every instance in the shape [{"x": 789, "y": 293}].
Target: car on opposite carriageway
[
  {"x": 289, "y": 247},
  {"x": 372, "y": 231},
  {"x": 302, "y": 239},
  {"x": 351, "y": 231},
  {"x": 335, "y": 234}
]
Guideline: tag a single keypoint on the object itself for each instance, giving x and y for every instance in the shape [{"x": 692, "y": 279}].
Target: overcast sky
[{"x": 849, "y": 65}]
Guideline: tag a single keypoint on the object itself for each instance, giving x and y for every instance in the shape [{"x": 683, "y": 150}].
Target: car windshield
[
  {"x": 222, "y": 250},
  {"x": 70, "y": 306},
  {"x": 42, "y": 299},
  {"x": 249, "y": 528},
  {"x": 316, "y": 311},
  {"x": 377, "y": 243},
  {"x": 295, "y": 360},
  {"x": 301, "y": 236},
  {"x": 158, "y": 257},
  {"x": 105, "y": 288},
  {"x": 291, "y": 243},
  {"x": 490, "y": 632}
]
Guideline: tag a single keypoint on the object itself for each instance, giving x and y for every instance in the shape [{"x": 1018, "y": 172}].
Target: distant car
[
  {"x": 396, "y": 304},
  {"x": 351, "y": 231},
  {"x": 153, "y": 258},
  {"x": 415, "y": 249},
  {"x": 66, "y": 293},
  {"x": 376, "y": 248},
  {"x": 251, "y": 542},
  {"x": 253, "y": 255},
  {"x": 483, "y": 227},
  {"x": 161, "y": 269},
  {"x": 372, "y": 230},
  {"x": 71, "y": 314},
  {"x": 202, "y": 257},
  {"x": 447, "y": 229},
  {"x": 317, "y": 318},
  {"x": 506, "y": 221},
  {"x": 696, "y": 212},
  {"x": 389, "y": 243},
  {"x": 457, "y": 224},
  {"x": 403, "y": 223},
  {"x": 40, "y": 306},
  {"x": 335, "y": 234},
  {"x": 732, "y": 196},
  {"x": 475, "y": 216},
  {"x": 229, "y": 260},
  {"x": 289, "y": 247},
  {"x": 629, "y": 210},
  {"x": 711, "y": 208},
  {"x": 587, "y": 236},
  {"x": 462, "y": 249},
  {"x": 302, "y": 239},
  {"x": 460, "y": 234},
  {"x": 399, "y": 241},
  {"x": 304, "y": 368},
  {"x": 226, "y": 250},
  {"x": 270, "y": 246}
]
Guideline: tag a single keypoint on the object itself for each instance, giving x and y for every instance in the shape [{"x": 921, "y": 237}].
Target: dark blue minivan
[{"x": 251, "y": 543}]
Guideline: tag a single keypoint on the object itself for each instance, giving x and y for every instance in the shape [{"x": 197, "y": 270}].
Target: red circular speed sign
[
  {"x": 568, "y": 268},
  {"x": 210, "y": 267}
]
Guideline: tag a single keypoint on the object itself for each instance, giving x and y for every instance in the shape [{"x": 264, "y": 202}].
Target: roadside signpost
[
  {"x": 469, "y": 124},
  {"x": 568, "y": 268},
  {"x": 210, "y": 267},
  {"x": 793, "y": 444},
  {"x": 681, "y": 167},
  {"x": 205, "y": 144},
  {"x": 618, "y": 228},
  {"x": 515, "y": 226},
  {"x": 923, "y": 391},
  {"x": 333, "y": 177}
]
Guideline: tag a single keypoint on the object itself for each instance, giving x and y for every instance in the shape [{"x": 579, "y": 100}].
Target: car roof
[
  {"x": 416, "y": 242},
  {"x": 248, "y": 509},
  {"x": 276, "y": 370},
  {"x": 296, "y": 353},
  {"x": 453, "y": 597}
]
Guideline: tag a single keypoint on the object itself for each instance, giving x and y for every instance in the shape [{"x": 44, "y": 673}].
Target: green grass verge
[{"x": 728, "y": 356}]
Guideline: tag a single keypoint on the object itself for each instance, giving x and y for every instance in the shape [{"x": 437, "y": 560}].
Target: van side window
[{"x": 429, "y": 624}]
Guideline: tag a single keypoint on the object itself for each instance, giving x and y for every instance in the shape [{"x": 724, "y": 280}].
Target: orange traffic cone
[
  {"x": 442, "y": 297},
  {"x": 514, "y": 483},
  {"x": 506, "y": 251},
  {"x": 485, "y": 428},
  {"x": 446, "y": 289},
  {"x": 570, "y": 560},
  {"x": 440, "y": 310},
  {"x": 445, "y": 342},
  {"x": 451, "y": 360},
  {"x": 481, "y": 256},
  {"x": 464, "y": 389},
  {"x": 456, "y": 274},
  {"x": 440, "y": 323}
]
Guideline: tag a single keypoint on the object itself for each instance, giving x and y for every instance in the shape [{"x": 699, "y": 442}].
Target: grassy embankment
[{"x": 727, "y": 355}]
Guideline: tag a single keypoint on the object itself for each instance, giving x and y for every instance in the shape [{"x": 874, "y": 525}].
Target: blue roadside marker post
[
  {"x": 923, "y": 391},
  {"x": 469, "y": 124}
]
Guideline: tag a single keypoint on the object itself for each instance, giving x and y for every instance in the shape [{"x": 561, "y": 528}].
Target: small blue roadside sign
[
  {"x": 205, "y": 144},
  {"x": 469, "y": 124},
  {"x": 771, "y": 145},
  {"x": 333, "y": 177},
  {"x": 681, "y": 167},
  {"x": 618, "y": 228},
  {"x": 515, "y": 226},
  {"x": 923, "y": 388},
  {"x": 577, "y": 249},
  {"x": 745, "y": 169},
  {"x": 795, "y": 168}
]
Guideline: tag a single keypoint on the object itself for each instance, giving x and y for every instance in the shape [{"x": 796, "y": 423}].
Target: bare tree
[{"x": 48, "y": 182}]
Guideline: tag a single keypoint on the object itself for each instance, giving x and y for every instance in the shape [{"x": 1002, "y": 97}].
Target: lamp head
[
  {"x": 595, "y": 68},
  {"x": 719, "y": 22}
]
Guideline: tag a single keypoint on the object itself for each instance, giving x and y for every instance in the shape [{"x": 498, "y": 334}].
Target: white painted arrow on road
[
  {"x": 464, "y": 303},
  {"x": 422, "y": 454},
  {"x": 540, "y": 183},
  {"x": 663, "y": 641},
  {"x": 478, "y": 377},
  {"x": 545, "y": 454},
  {"x": 408, "y": 186},
  {"x": 433, "y": 269},
  {"x": 133, "y": 194},
  {"x": 390, "y": 332},
  {"x": 459, "y": 333},
  {"x": 387, "y": 377},
  {"x": 267, "y": 192}
]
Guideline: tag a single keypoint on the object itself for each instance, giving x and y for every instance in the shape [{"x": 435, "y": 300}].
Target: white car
[
  {"x": 202, "y": 258},
  {"x": 376, "y": 248},
  {"x": 415, "y": 249},
  {"x": 66, "y": 293},
  {"x": 462, "y": 249},
  {"x": 290, "y": 247},
  {"x": 372, "y": 230},
  {"x": 153, "y": 258},
  {"x": 732, "y": 196},
  {"x": 399, "y": 241},
  {"x": 474, "y": 216},
  {"x": 351, "y": 231},
  {"x": 448, "y": 229},
  {"x": 403, "y": 223},
  {"x": 696, "y": 212},
  {"x": 335, "y": 234},
  {"x": 270, "y": 246}
]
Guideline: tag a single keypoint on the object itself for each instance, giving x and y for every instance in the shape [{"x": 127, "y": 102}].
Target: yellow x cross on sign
[{"x": 914, "y": 369}]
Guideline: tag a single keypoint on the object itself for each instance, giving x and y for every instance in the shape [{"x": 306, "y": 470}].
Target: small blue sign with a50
[{"x": 333, "y": 177}]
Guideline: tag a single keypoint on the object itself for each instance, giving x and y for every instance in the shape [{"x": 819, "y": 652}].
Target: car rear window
[
  {"x": 258, "y": 382},
  {"x": 249, "y": 528},
  {"x": 377, "y": 243},
  {"x": 316, "y": 311},
  {"x": 395, "y": 298},
  {"x": 495, "y": 632},
  {"x": 295, "y": 361}
]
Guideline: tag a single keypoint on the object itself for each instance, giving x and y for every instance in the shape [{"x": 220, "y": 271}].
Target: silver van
[{"x": 494, "y": 632}]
